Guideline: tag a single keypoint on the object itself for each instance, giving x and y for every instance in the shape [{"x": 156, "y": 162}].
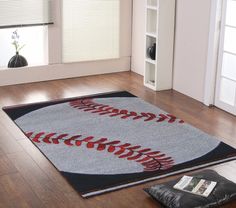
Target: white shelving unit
[{"x": 160, "y": 23}]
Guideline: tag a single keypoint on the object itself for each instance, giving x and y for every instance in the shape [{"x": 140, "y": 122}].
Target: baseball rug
[{"x": 105, "y": 142}]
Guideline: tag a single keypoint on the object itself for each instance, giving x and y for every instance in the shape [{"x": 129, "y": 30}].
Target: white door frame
[
  {"x": 213, "y": 50},
  {"x": 218, "y": 102}
]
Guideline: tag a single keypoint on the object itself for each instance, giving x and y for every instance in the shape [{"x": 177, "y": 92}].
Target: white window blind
[
  {"x": 14, "y": 13},
  {"x": 91, "y": 30}
]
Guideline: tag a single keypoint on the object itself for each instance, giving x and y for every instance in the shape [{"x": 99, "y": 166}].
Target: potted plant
[{"x": 17, "y": 60}]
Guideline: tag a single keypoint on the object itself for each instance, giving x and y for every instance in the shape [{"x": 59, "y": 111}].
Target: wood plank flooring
[{"x": 28, "y": 179}]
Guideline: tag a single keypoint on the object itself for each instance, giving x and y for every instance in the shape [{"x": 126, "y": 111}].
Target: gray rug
[{"x": 105, "y": 142}]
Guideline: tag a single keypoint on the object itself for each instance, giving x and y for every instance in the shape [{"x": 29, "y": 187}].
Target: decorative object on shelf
[
  {"x": 151, "y": 51},
  {"x": 17, "y": 60}
]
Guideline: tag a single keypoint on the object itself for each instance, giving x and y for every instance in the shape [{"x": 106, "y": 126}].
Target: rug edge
[
  {"x": 95, "y": 193},
  {"x": 63, "y": 99}
]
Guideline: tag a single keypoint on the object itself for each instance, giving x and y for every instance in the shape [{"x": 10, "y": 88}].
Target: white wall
[
  {"x": 191, "y": 44},
  {"x": 138, "y": 44}
]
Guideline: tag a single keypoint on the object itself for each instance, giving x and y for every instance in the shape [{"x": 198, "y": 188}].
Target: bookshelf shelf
[
  {"x": 159, "y": 24},
  {"x": 152, "y": 7}
]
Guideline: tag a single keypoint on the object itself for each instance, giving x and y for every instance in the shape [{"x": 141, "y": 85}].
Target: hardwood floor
[{"x": 27, "y": 178}]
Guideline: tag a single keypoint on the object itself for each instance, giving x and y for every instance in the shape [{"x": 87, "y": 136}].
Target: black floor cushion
[{"x": 169, "y": 197}]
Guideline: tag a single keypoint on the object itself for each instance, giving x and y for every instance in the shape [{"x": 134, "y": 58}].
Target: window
[
  {"x": 84, "y": 30},
  {"x": 90, "y": 30},
  {"x": 226, "y": 76},
  {"x": 24, "y": 12},
  {"x": 36, "y": 45},
  {"x": 14, "y": 15}
]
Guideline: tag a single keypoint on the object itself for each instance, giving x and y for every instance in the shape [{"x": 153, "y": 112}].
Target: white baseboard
[{"x": 61, "y": 71}]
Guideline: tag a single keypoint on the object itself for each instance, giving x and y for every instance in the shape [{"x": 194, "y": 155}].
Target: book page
[{"x": 195, "y": 185}]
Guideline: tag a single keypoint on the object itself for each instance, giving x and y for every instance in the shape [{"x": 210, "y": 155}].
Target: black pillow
[{"x": 169, "y": 197}]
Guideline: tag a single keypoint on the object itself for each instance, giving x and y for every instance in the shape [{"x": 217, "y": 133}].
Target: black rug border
[
  {"x": 151, "y": 176},
  {"x": 139, "y": 179},
  {"x": 38, "y": 105},
  {"x": 61, "y": 100}
]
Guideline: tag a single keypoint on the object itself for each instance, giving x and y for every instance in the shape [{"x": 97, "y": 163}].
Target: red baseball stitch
[
  {"x": 151, "y": 160},
  {"x": 88, "y": 105}
]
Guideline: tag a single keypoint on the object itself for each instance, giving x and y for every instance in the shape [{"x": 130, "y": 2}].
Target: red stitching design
[
  {"x": 88, "y": 105},
  {"x": 151, "y": 160}
]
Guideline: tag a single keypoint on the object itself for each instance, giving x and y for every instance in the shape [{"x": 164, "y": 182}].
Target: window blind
[
  {"x": 91, "y": 30},
  {"x": 15, "y": 13}
]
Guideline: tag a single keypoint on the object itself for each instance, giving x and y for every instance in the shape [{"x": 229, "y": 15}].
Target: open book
[{"x": 195, "y": 185}]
